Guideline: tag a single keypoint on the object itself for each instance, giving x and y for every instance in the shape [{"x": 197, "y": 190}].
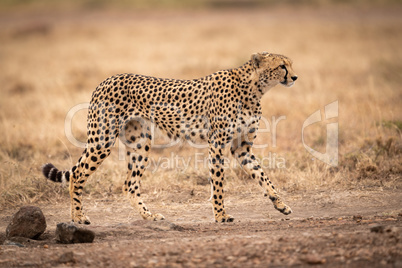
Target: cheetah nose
[{"x": 294, "y": 78}]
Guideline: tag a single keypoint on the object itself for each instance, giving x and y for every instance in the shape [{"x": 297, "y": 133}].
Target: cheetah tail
[{"x": 53, "y": 174}]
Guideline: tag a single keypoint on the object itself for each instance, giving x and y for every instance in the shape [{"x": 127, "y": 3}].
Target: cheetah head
[{"x": 272, "y": 69}]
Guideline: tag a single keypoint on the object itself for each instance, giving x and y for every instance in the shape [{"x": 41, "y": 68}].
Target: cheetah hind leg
[
  {"x": 138, "y": 140},
  {"x": 90, "y": 160}
]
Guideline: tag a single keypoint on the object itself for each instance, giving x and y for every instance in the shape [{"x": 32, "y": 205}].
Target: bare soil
[{"x": 359, "y": 228}]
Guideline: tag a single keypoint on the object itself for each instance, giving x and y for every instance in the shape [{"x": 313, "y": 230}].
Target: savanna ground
[{"x": 54, "y": 55}]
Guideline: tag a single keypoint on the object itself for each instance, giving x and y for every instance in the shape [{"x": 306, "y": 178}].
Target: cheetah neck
[{"x": 249, "y": 86}]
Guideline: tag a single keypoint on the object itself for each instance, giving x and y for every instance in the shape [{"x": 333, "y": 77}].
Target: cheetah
[{"x": 222, "y": 109}]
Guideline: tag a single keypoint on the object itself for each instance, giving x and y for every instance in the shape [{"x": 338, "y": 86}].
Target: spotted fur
[{"x": 223, "y": 108}]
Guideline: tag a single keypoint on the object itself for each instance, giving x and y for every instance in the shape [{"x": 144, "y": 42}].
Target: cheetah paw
[
  {"x": 158, "y": 217},
  {"x": 82, "y": 220},
  {"x": 152, "y": 217},
  {"x": 284, "y": 209},
  {"x": 224, "y": 218}
]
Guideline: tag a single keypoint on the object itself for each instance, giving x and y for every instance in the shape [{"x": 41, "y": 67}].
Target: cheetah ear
[{"x": 256, "y": 59}]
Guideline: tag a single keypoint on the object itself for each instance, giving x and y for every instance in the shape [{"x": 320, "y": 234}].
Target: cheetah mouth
[{"x": 286, "y": 84}]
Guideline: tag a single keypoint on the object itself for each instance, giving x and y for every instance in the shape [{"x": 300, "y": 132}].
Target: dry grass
[{"x": 52, "y": 61}]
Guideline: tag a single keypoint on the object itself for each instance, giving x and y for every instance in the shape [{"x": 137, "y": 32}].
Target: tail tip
[{"x": 46, "y": 168}]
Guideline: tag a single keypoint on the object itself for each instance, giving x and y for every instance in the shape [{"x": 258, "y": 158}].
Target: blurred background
[{"x": 53, "y": 54}]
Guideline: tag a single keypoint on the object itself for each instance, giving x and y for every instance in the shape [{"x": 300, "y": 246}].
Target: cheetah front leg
[
  {"x": 249, "y": 163},
  {"x": 216, "y": 163}
]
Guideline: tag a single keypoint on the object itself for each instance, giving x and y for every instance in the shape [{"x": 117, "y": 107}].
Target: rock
[
  {"x": 22, "y": 241},
  {"x": 19, "y": 240},
  {"x": 68, "y": 233},
  {"x": 12, "y": 243},
  {"x": 67, "y": 257},
  {"x": 164, "y": 226},
  {"x": 377, "y": 229},
  {"x": 28, "y": 222}
]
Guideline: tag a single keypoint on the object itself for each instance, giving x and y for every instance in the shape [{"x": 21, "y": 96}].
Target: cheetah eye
[{"x": 283, "y": 66}]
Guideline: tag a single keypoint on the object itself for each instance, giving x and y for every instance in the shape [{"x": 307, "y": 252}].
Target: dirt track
[{"x": 357, "y": 229}]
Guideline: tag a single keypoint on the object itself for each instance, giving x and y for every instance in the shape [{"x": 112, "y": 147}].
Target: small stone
[
  {"x": 28, "y": 222},
  {"x": 377, "y": 229},
  {"x": 21, "y": 240},
  {"x": 45, "y": 246},
  {"x": 392, "y": 229},
  {"x": 313, "y": 259},
  {"x": 67, "y": 257},
  {"x": 68, "y": 233},
  {"x": 12, "y": 243},
  {"x": 357, "y": 218},
  {"x": 164, "y": 226}
]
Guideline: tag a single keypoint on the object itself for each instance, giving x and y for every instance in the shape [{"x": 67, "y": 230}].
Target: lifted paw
[{"x": 285, "y": 209}]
